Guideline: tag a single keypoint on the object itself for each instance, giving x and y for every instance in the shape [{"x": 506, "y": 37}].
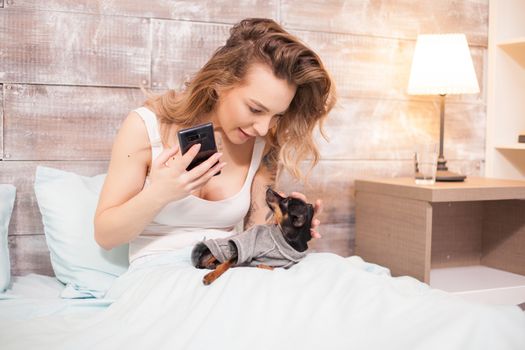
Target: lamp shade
[{"x": 442, "y": 65}]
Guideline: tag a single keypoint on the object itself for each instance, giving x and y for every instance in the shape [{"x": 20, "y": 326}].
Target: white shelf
[
  {"x": 512, "y": 146},
  {"x": 481, "y": 284},
  {"x": 505, "y": 85}
]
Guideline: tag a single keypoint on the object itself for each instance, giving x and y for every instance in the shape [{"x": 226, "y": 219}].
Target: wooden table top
[{"x": 472, "y": 189}]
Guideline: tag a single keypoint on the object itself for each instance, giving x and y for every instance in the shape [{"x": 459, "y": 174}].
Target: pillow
[
  {"x": 67, "y": 202},
  {"x": 7, "y": 201}
]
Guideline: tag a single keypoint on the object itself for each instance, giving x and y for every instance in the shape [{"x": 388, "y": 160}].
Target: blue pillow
[
  {"x": 7, "y": 201},
  {"x": 67, "y": 202}
]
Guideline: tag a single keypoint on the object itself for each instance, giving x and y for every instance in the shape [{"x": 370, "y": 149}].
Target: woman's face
[{"x": 252, "y": 108}]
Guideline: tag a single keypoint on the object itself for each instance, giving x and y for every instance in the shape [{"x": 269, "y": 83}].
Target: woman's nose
[{"x": 262, "y": 125}]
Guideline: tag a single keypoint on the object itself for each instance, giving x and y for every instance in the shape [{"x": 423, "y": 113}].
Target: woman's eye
[{"x": 255, "y": 111}]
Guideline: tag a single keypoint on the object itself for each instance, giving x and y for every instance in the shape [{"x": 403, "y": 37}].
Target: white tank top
[{"x": 191, "y": 219}]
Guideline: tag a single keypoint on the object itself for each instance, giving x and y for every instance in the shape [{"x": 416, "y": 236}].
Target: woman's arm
[
  {"x": 125, "y": 206},
  {"x": 259, "y": 212}
]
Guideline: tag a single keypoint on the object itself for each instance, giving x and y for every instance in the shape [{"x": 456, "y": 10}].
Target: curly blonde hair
[{"x": 263, "y": 41}]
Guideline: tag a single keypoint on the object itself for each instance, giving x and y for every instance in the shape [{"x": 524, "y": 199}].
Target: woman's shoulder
[
  {"x": 133, "y": 125},
  {"x": 132, "y": 137}
]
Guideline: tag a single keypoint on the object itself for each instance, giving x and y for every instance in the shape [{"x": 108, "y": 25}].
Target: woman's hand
[
  {"x": 168, "y": 172},
  {"x": 318, "y": 208}
]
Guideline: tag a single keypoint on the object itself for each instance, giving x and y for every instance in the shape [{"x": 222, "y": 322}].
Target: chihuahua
[{"x": 281, "y": 244}]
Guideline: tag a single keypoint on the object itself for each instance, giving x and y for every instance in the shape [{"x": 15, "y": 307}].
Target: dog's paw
[
  {"x": 209, "y": 278},
  {"x": 198, "y": 255}
]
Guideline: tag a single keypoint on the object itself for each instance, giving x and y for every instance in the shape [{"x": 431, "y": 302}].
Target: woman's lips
[{"x": 244, "y": 134}]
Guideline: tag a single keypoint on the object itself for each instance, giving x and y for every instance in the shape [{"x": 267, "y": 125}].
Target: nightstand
[{"x": 471, "y": 230}]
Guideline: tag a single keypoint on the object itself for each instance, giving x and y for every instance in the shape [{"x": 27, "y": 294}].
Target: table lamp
[{"x": 442, "y": 65}]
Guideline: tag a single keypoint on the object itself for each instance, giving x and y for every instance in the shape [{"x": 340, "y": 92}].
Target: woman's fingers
[
  {"x": 318, "y": 207},
  {"x": 298, "y": 195},
  {"x": 165, "y": 155},
  {"x": 203, "y": 168},
  {"x": 188, "y": 157},
  {"x": 201, "y": 180},
  {"x": 315, "y": 234},
  {"x": 203, "y": 172},
  {"x": 313, "y": 229}
]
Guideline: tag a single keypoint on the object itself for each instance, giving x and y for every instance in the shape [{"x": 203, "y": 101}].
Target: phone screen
[{"x": 202, "y": 134}]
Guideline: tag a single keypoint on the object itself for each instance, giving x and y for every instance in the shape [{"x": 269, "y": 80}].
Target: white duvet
[{"x": 324, "y": 302}]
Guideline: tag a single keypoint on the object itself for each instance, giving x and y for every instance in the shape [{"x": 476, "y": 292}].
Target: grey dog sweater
[{"x": 261, "y": 244}]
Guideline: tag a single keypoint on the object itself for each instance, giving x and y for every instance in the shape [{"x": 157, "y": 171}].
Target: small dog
[{"x": 282, "y": 244}]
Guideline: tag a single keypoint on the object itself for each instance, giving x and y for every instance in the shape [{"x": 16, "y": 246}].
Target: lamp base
[{"x": 449, "y": 176}]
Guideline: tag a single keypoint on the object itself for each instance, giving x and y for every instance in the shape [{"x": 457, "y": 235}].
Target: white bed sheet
[
  {"x": 33, "y": 286},
  {"x": 33, "y": 296},
  {"x": 324, "y": 302}
]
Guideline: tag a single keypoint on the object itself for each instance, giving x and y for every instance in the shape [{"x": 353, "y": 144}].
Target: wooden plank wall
[{"x": 70, "y": 71}]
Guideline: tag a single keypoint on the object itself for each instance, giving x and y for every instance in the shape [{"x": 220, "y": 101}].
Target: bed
[{"x": 325, "y": 301}]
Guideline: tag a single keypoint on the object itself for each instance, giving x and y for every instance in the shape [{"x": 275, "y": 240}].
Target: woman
[{"x": 264, "y": 92}]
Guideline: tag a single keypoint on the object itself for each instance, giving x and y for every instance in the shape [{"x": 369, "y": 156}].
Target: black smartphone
[{"x": 202, "y": 134}]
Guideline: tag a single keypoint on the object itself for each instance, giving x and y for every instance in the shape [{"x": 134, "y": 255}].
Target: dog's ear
[{"x": 273, "y": 196}]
